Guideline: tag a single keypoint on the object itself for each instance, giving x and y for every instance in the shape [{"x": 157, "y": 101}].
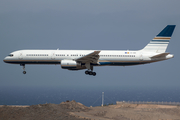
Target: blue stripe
[
  {"x": 160, "y": 40},
  {"x": 122, "y": 63}
]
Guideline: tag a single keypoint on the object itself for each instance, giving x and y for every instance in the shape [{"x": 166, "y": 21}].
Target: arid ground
[{"x": 72, "y": 110}]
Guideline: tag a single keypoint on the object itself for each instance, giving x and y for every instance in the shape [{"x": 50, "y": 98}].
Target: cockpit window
[{"x": 10, "y": 55}]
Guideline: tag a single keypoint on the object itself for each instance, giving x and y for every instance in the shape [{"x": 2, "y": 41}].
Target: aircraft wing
[
  {"x": 91, "y": 57},
  {"x": 160, "y": 55}
]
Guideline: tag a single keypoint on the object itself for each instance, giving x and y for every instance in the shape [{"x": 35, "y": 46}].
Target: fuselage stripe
[{"x": 162, "y": 38}]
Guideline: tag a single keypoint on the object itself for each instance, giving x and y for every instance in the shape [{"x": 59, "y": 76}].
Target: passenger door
[
  {"x": 20, "y": 55},
  {"x": 141, "y": 57},
  {"x": 53, "y": 56}
]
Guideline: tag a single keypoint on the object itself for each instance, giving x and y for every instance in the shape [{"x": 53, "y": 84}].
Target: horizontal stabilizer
[{"x": 160, "y": 55}]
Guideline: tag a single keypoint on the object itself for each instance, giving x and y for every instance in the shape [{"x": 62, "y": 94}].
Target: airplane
[{"x": 154, "y": 51}]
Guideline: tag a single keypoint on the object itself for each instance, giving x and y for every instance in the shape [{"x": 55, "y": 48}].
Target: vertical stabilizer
[{"x": 161, "y": 41}]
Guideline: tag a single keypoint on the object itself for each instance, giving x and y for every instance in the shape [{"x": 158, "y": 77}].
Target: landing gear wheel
[
  {"x": 90, "y": 73},
  {"x": 24, "y": 72},
  {"x": 94, "y": 73},
  {"x": 86, "y": 72}
]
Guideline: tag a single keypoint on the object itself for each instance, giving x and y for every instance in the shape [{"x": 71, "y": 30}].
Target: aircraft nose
[{"x": 5, "y": 59}]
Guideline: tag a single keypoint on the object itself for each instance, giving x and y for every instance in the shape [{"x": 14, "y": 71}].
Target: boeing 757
[{"x": 154, "y": 51}]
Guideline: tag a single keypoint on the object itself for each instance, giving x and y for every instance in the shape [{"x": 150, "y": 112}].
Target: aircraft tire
[
  {"x": 94, "y": 73},
  {"x": 86, "y": 72},
  {"x": 90, "y": 73},
  {"x": 24, "y": 72}
]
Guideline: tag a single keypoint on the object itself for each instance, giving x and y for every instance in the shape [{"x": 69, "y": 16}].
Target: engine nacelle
[{"x": 70, "y": 64}]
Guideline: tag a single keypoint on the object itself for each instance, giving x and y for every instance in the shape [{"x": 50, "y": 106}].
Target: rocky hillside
[{"x": 42, "y": 111}]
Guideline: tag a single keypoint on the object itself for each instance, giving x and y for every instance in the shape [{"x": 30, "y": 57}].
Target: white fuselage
[
  {"x": 106, "y": 57},
  {"x": 154, "y": 51}
]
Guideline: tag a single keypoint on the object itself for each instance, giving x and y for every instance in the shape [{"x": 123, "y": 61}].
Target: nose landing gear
[{"x": 24, "y": 72}]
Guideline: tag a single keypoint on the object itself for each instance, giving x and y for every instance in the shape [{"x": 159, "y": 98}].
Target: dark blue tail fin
[
  {"x": 167, "y": 31},
  {"x": 161, "y": 41}
]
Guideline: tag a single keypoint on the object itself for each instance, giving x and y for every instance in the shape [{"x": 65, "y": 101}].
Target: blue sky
[{"x": 93, "y": 24}]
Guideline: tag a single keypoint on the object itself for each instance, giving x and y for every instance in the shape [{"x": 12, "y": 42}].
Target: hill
[{"x": 72, "y": 110}]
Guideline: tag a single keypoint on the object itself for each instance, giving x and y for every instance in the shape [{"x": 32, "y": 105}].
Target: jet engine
[{"x": 70, "y": 64}]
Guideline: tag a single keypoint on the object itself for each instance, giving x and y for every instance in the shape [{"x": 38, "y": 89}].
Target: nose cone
[{"x": 5, "y": 60}]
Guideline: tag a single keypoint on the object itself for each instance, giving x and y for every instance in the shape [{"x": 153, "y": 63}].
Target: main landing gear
[
  {"x": 24, "y": 72},
  {"x": 90, "y": 73},
  {"x": 90, "y": 69}
]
